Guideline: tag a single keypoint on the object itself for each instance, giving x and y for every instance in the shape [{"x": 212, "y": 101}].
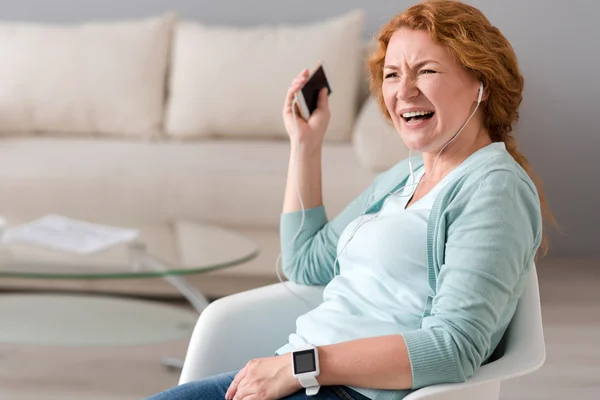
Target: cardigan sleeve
[
  {"x": 489, "y": 246},
  {"x": 309, "y": 252}
]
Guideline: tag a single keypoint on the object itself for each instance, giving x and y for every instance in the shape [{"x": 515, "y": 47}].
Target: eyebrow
[{"x": 416, "y": 66}]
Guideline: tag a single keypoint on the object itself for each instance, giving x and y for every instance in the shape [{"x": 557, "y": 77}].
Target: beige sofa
[{"x": 142, "y": 122}]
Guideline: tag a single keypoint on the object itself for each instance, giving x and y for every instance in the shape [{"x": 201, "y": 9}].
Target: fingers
[
  {"x": 244, "y": 391},
  {"x": 323, "y": 101},
  {"x": 233, "y": 387},
  {"x": 293, "y": 89}
]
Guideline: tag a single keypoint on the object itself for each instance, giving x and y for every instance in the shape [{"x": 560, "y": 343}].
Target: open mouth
[{"x": 416, "y": 116}]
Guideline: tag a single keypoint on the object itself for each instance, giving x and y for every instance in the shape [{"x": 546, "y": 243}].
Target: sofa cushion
[
  {"x": 104, "y": 78},
  {"x": 376, "y": 142},
  {"x": 231, "y": 182},
  {"x": 231, "y": 82}
]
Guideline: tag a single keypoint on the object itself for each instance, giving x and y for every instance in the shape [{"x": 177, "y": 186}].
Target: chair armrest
[{"x": 251, "y": 324}]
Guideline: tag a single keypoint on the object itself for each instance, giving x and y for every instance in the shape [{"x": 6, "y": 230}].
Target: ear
[{"x": 482, "y": 93}]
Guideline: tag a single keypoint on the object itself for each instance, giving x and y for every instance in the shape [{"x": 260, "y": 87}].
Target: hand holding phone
[
  {"x": 305, "y": 120},
  {"x": 308, "y": 95}
]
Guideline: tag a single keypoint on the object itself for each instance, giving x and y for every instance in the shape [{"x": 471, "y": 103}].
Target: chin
[
  {"x": 417, "y": 140},
  {"x": 416, "y": 143}
]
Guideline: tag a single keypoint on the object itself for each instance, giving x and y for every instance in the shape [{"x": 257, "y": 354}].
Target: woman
[{"x": 429, "y": 277}]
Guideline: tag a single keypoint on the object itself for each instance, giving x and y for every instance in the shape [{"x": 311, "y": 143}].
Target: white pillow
[
  {"x": 90, "y": 78},
  {"x": 232, "y": 82},
  {"x": 376, "y": 142}
]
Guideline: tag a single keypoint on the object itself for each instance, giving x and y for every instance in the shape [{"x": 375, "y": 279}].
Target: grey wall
[{"x": 557, "y": 42}]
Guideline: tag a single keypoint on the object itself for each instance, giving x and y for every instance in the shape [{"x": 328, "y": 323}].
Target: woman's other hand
[{"x": 264, "y": 379}]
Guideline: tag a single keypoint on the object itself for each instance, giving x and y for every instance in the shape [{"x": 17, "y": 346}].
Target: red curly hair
[{"x": 484, "y": 52}]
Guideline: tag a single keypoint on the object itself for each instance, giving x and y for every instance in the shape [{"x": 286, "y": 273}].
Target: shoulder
[
  {"x": 497, "y": 189},
  {"x": 502, "y": 175}
]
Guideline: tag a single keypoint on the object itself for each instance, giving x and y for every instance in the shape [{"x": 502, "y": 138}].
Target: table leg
[
  {"x": 173, "y": 363},
  {"x": 190, "y": 293},
  {"x": 140, "y": 259}
]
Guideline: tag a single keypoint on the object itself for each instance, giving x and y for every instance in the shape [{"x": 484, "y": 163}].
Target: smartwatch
[{"x": 305, "y": 362}]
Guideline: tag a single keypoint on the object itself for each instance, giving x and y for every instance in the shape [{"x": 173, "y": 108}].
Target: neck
[{"x": 454, "y": 154}]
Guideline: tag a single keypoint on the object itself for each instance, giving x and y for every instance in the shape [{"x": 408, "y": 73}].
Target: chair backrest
[
  {"x": 522, "y": 351},
  {"x": 525, "y": 334}
]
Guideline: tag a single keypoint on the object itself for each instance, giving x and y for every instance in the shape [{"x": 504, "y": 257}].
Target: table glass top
[{"x": 177, "y": 248}]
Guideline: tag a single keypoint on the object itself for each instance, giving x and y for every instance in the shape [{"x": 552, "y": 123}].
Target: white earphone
[{"x": 480, "y": 93}]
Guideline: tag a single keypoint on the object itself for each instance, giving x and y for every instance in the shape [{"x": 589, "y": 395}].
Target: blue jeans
[{"x": 215, "y": 387}]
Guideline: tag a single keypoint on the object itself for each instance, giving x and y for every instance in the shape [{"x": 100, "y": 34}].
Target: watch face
[{"x": 304, "y": 361}]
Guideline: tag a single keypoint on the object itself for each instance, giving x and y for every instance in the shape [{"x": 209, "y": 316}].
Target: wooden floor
[{"x": 571, "y": 309}]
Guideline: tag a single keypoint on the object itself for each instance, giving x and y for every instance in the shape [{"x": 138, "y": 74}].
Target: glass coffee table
[{"x": 169, "y": 251}]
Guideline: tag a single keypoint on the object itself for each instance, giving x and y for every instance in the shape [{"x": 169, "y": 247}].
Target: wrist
[
  {"x": 288, "y": 372},
  {"x": 326, "y": 373},
  {"x": 307, "y": 151},
  {"x": 305, "y": 368}
]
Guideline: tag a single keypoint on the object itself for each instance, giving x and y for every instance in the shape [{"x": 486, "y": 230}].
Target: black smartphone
[{"x": 308, "y": 95}]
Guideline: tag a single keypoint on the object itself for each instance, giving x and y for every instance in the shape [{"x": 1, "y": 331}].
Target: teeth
[{"x": 415, "y": 113}]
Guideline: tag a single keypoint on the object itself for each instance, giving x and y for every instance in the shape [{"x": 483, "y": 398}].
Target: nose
[{"x": 407, "y": 89}]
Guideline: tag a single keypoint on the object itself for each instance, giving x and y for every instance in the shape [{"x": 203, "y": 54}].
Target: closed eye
[{"x": 428, "y": 71}]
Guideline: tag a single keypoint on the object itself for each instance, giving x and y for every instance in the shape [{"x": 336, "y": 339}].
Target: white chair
[{"x": 253, "y": 324}]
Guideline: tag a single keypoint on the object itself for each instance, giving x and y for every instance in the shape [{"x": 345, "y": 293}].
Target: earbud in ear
[{"x": 480, "y": 92}]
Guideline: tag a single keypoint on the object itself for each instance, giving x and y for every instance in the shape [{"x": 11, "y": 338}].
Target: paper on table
[{"x": 66, "y": 234}]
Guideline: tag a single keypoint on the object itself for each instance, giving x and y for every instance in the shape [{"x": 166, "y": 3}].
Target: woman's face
[{"x": 423, "y": 77}]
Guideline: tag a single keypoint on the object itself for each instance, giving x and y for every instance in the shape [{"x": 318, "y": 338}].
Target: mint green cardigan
[{"x": 484, "y": 229}]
